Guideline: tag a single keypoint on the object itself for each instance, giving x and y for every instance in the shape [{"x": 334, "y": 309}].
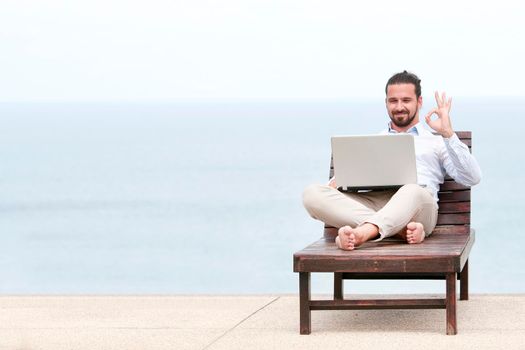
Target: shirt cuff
[
  {"x": 452, "y": 140},
  {"x": 455, "y": 145}
]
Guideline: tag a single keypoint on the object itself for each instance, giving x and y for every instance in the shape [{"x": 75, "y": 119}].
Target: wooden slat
[
  {"x": 451, "y": 229},
  {"x": 441, "y": 244},
  {"x": 454, "y": 207},
  {"x": 464, "y": 134},
  {"x": 443, "y": 253},
  {"x": 401, "y": 276},
  {"x": 377, "y": 304},
  {"x": 451, "y": 185},
  {"x": 397, "y": 276},
  {"x": 408, "y": 263},
  {"x": 456, "y": 196},
  {"x": 330, "y": 233},
  {"x": 454, "y": 219},
  {"x": 393, "y": 276}
]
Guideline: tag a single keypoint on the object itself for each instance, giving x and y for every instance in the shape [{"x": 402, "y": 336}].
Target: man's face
[{"x": 402, "y": 104}]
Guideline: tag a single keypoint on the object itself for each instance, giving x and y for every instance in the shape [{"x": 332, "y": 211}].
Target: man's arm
[
  {"x": 456, "y": 158},
  {"x": 459, "y": 163}
]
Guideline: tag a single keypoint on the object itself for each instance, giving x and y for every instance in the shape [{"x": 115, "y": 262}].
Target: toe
[
  {"x": 338, "y": 242},
  {"x": 345, "y": 230}
]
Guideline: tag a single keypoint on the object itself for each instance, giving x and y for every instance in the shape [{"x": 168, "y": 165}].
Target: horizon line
[{"x": 243, "y": 100}]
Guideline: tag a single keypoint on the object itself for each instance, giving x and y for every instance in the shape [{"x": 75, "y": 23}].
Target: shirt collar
[{"x": 413, "y": 130}]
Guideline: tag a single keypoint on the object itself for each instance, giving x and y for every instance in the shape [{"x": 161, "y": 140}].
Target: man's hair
[{"x": 405, "y": 78}]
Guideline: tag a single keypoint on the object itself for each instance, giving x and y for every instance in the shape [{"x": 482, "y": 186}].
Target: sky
[{"x": 170, "y": 50}]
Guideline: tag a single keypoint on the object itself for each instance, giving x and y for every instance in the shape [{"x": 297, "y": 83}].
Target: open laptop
[{"x": 374, "y": 162}]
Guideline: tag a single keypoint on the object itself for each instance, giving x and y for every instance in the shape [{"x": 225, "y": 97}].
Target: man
[{"x": 411, "y": 211}]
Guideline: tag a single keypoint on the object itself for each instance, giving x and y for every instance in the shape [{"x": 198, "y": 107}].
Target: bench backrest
[{"x": 454, "y": 200}]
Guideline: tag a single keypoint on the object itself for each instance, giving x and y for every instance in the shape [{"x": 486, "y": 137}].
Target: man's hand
[
  {"x": 332, "y": 183},
  {"x": 442, "y": 124}
]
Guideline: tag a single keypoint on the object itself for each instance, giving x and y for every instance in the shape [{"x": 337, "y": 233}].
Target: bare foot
[
  {"x": 345, "y": 238},
  {"x": 415, "y": 233},
  {"x": 349, "y": 238}
]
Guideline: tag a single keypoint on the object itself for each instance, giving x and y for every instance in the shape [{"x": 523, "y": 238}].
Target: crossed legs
[
  {"x": 349, "y": 238},
  {"x": 410, "y": 212}
]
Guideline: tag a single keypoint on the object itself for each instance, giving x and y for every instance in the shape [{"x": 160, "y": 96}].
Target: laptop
[{"x": 374, "y": 162}]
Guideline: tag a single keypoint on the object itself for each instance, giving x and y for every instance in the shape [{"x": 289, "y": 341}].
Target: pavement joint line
[{"x": 239, "y": 323}]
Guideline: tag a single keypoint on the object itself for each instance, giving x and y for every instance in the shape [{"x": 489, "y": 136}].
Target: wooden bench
[{"x": 443, "y": 255}]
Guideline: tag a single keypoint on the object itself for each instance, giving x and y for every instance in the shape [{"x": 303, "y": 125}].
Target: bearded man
[{"x": 411, "y": 211}]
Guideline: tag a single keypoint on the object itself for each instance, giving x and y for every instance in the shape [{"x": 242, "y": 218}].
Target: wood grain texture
[
  {"x": 454, "y": 207},
  {"x": 453, "y": 219},
  {"x": 451, "y": 304},
  {"x": 338, "y": 286},
  {"x": 360, "y": 304},
  {"x": 305, "y": 320},
  {"x": 463, "y": 286},
  {"x": 441, "y": 254}
]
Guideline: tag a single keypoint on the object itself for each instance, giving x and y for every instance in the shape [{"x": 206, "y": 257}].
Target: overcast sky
[{"x": 171, "y": 50}]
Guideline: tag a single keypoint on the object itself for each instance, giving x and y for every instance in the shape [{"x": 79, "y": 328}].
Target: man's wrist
[{"x": 447, "y": 133}]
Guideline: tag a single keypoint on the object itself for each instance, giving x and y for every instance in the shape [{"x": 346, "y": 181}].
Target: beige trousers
[{"x": 389, "y": 210}]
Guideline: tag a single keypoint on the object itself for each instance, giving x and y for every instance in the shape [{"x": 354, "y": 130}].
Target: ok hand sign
[{"x": 442, "y": 124}]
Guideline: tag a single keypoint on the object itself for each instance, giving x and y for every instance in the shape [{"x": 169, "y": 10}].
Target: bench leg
[
  {"x": 463, "y": 284},
  {"x": 338, "y": 286},
  {"x": 451, "y": 304},
  {"x": 305, "y": 325}
]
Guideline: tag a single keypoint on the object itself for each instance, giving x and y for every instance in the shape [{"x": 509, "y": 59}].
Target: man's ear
[{"x": 420, "y": 101}]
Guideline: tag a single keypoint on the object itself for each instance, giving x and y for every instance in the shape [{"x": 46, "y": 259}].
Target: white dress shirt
[{"x": 437, "y": 156}]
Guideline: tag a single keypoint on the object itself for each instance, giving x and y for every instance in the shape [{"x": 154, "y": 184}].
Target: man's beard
[{"x": 404, "y": 122}]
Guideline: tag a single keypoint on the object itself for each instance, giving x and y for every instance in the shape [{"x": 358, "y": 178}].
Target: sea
[{"x": 205, "y": 198}]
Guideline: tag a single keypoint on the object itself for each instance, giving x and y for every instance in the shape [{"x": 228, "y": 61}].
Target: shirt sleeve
[{"x": 459, "y": 163}]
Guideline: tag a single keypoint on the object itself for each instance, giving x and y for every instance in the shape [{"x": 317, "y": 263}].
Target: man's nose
[{"x": 399, "y": 106}]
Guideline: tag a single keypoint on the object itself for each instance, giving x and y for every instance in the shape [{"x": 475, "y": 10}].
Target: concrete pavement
[{"x": 248, "y": 322}]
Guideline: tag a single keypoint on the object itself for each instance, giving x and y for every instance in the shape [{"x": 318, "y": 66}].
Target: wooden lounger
[{"x": 443, "y": 255}]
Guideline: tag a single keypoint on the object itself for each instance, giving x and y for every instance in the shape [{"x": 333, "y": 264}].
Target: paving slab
[
  {"x": 106, "y": 339},
  {"x": 480, "y": 312},
  {"x": 370, "y": 340},
  {"x": 124, "y": 322},
  {"x": 248, "y": 322},
  {"x": 484, "y": 322}
]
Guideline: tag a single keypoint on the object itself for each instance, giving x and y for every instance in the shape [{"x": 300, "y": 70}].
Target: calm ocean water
[{"x": 115, "y": 198}]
